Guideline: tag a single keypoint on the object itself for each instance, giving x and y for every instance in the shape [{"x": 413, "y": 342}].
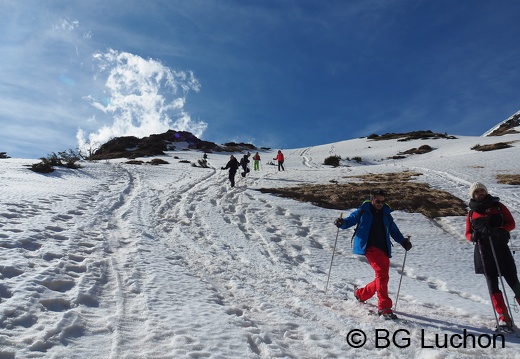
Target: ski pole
[
  {"x": 332, "y": 259},
  {"x": 400, "y": 279}
]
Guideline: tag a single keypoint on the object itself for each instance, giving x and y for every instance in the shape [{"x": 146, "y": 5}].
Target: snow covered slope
[{"x": 124, "y": 261}]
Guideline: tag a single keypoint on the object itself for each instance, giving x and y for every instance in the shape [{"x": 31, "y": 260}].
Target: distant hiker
[
  {"x": 204, "y": 161},
  {"x": 233, "y": 167},
  {"x": 256, "y": 163},
  {"x": 488, "y": 224},
  {"x": 279, "y": 157},
  {"x": 243, "y": 163},
  {"x": 372, "y": 239}
]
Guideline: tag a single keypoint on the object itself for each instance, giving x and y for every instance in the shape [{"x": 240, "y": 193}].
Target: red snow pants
[{"x": 380, "y": 262}]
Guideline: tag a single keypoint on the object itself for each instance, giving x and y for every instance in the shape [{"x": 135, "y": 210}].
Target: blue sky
[{"x": 276, "y": 73}]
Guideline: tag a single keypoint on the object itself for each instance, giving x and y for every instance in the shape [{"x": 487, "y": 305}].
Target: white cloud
[
  {"x": 65, "y": 25},
  {"x": 144, "y": 97}
]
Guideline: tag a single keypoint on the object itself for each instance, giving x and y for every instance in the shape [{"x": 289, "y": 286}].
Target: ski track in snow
[{"x": 124, "y": 261}]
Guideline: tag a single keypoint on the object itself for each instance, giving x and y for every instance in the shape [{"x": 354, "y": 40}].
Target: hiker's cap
[{"x": 475, "y": 186}]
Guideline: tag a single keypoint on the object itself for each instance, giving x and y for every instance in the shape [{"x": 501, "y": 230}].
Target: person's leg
[
  {"x": 380, "y": 262},
  {"x": 368, "y": 291},
  {"x": 500, "y": 307},
  {"x": 513, "y": 282},
  {"x": 492, "y": 282},
  {"x": 497, "y": 299}
]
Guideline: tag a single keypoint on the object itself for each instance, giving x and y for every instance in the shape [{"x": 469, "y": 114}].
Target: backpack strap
[
  {"x": 361, "y": 211},
  {"x": 499, "y": 209}
]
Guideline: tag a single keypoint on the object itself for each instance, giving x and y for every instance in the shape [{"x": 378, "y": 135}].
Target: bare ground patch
[
  {"x": 417, "y": 151},
  {"x": 509, "y": 179},
  {"x": 414, "y": 135},
  {"x": 402, "y": 195},
  {"x": 493, "y": 146}
]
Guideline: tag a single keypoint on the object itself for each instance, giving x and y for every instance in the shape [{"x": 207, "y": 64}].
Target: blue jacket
[{"x": 363, "y": 231}]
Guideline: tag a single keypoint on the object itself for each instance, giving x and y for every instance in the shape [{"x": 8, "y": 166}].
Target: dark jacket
[
  {"x": 232, "y": 165},
  {"x": 488, "y": 234},
  {"x": 244, "y": 161}
]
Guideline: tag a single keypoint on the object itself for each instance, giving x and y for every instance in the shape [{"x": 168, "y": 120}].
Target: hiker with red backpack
[{"x": 488, "y": 224}]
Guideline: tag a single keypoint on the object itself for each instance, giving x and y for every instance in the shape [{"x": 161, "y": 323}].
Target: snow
[{"x": 126, "y": 261}]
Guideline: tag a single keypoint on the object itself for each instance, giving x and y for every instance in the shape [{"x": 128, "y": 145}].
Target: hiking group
[
  {"x": 488, "y": 224},
  {"x": 233, "y": 165}
]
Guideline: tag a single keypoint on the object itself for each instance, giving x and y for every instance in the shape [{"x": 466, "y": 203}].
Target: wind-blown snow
[{"x": 124, "y": 261}]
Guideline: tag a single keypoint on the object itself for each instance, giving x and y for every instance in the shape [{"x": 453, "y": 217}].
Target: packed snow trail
[{"x": 151, "y": 285}]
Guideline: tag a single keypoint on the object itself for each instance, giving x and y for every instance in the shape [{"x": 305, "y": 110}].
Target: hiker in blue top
[{"x": 372, "y": 239}]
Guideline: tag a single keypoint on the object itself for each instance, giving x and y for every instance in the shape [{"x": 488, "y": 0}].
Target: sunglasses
[{"x": 378, "y": 201}]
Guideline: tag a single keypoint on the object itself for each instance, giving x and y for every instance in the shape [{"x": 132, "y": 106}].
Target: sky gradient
[{"x": 275, "y": 73}]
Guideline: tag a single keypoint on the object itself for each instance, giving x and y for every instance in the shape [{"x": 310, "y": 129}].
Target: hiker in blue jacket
[{"x": 372, "y": 239}]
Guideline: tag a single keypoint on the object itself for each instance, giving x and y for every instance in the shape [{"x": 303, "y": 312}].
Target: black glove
[
  {"x": 480, "y": 224},
  {"x": 222, "y": 168},
  {"x": 475, "y": 236},
  {"x": 338, "y": 222},
  {"x": 407, "y": 245},
  {"x": 495, "y": 220}
]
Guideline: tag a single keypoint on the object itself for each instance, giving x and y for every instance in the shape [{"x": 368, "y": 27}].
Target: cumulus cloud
[{"x": 143, "y": 97}]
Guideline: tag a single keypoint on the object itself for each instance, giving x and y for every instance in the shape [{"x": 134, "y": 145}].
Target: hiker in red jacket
[
  {"x": 279, "y": 158},
  {"x": 488, "y": 224}
]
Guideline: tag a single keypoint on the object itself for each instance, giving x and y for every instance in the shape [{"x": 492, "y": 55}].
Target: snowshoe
[
  {"x": 387, "y": 314},
  {"x": 504, "y": 327}
]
